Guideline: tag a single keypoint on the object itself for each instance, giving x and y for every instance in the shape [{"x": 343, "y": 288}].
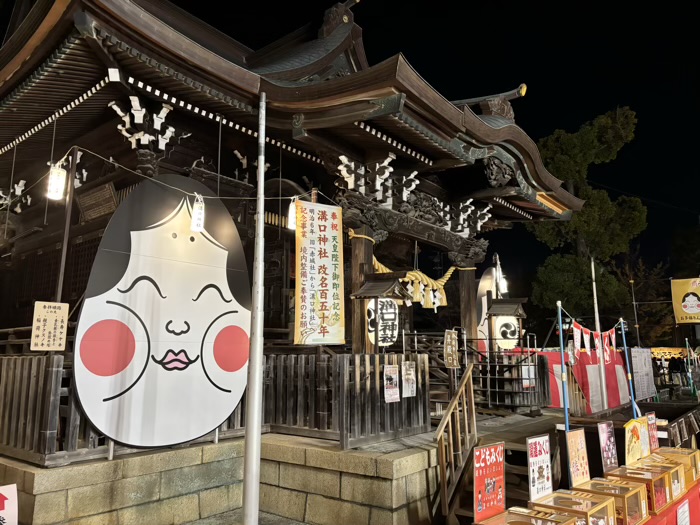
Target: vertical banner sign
[
  {"x": 489, "y": 481},
  {"x": 598, "y": 343},
  {"x": 685, "y": 294},
  {"x": 451, "y": 354},
  {"x": 633, "y": 441},
  {"x": 382, "y": 327},
  {"x": 608, "y": 448},
  {"x": 587, "y": 339},
  {"x": 683, "y": 513},
  {"x": 8, "y": 505},
  {"x": 539, "y": 465},
  {"x": 408, "y": 376},
  {"x": 49, "y": 326},
  {"x": 644, "y": 436},
  {"x": 577, "y": 338},
  {"x": 391, "y": 384},
  {"x": 653, "y": 431},
  {"x": 578, "y": 457},
  {"x": 613, "y": 342},
  {"x": 606, "y": 347},
  {"x": 320, "y": 293}
]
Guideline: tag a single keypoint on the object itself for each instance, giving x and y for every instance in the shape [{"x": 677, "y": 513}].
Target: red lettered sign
[
  {"x": 489, "y": 481},
  {"x": 8, "y": 505}
]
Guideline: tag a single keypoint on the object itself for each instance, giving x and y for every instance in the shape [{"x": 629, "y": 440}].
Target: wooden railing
[
  {"x": 456, "y": 436},
  {"x": 341, "y": 397},
  {"x": 336, "y": 397},
  {"x": 41, "y": 420},
  {"x": 364, "y": 415}
]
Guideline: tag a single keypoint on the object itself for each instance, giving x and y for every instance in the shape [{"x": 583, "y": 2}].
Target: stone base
[
  {"x": 155, "y": 488},
  {"x": 303, "y": 479},
  {"x": 314, "y": 481}
]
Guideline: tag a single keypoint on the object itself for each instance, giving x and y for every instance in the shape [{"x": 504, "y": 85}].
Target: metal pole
[
  {"x": 634, "y": 306},
  {"x": 635, "y": 408},
  {"x": 66, "y": 226},
  {"x": 601, "y": 358},
  {"x": 564, "y": 386},
  {"x": 253, "y": 419}
]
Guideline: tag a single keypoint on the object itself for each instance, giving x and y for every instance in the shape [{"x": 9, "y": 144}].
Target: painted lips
[{"x": 175, "y": 360}]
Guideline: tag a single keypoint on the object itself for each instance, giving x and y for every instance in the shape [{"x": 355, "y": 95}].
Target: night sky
[
  {"x": 578, "y": 62},
  {"x": 577, "y": 65}
]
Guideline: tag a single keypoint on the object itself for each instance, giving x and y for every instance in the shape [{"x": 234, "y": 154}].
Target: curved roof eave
[
  {"x": 26, "y": 48},
  {"x": 395, "y": 75},
  {"x": 149, "y": 31}
]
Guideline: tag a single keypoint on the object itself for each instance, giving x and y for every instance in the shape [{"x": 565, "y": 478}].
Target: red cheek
[
  {"x": 107, "y": 348},
  {"x": 231, "y": 349}
]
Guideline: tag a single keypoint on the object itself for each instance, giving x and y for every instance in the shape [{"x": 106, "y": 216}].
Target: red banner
[{"x": 489, "y": 481}]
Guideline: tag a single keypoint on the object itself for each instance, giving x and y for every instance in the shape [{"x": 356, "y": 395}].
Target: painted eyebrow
[
  {"x": 143, "y": 278},
  {"x": 214, "y": 287}
]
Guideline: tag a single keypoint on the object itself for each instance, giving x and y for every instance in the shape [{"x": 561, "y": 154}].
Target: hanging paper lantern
[{"x": 57, "y": 183}]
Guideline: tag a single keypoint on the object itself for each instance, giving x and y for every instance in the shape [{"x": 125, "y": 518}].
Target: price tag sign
[{"x": 8, "y": 505}]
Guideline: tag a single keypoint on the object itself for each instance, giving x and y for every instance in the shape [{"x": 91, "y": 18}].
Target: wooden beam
[
  {"x": 362, "y": 253},
  {"x": 467, "y": 304}
]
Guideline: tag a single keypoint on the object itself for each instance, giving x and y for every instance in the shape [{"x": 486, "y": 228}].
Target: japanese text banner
[{"x": 320, "y": 295}]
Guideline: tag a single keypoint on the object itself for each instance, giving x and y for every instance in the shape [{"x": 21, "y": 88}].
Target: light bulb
[
  {"x": 197, "y": 224},
  {"x": 57, "y": 182},
  {"x": 292, "y": 214}
]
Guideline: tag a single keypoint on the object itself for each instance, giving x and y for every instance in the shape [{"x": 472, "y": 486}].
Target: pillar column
[
  {"x": 362, "y": 253},
  {"x": 467, "y": 305}
]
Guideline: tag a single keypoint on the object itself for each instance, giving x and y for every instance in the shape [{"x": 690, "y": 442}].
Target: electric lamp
[{"x": 57, "y": 182}]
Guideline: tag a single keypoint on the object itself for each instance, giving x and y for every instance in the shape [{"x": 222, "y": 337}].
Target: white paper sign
[
  {"x": 391, "y": 384},
  {"x": 408, "y": 377},
  {"x": 539, "y": 465},
  {"x": 8, "y": 505},
  {"x": 642, "y": 373},
  {"x": 683, "y": 514},
  {"x": 49, "y": 326}
]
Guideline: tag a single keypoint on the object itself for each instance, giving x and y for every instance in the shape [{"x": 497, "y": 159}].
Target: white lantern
[
  {"x": 57, "y": 182},
  {"x": 197, "y": 224}
]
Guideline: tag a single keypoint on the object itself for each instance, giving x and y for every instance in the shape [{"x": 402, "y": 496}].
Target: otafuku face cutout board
[{"x": 162, "y": 344}]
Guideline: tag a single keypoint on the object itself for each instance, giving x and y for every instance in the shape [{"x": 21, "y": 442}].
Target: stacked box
[
  {"x": 630, "y": 498},
  {"x": 588, "y": 509},
  {"x": 658, "y": 484},
  {"x": 523, "y": 516}
]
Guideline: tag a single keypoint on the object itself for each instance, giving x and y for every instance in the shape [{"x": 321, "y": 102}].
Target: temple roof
[{"x": 69, "y": 58}]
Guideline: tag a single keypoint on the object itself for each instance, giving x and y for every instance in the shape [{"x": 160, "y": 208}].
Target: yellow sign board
[{"x": 685, "y": 294}]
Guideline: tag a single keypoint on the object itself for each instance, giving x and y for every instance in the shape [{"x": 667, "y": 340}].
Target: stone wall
[
  {"x": 154, "y": 488},
  {"x": 313, "y": 481},
  {"x": 307, "y": 480}
]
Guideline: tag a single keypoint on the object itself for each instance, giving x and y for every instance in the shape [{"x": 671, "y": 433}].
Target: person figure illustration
[{"x": 162, "y": 345}]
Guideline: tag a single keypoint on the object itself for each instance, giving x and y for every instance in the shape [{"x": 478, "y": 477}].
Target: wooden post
[
  {"x": 362, "y": 252},
  {"x": 467, "y": 305}
]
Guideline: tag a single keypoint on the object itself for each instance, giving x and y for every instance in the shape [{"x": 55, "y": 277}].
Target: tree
[
  {"x": 652, "y": 291},
  {"x": 602, "y": 229}
]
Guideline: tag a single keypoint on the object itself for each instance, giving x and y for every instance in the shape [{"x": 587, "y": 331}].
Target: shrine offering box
[
  {"x": 561, "y": 519},
  {"x": 676, "y": 473},
  {"x": 689, "y": 458},
  {"x": 588, "y": 509},
  {"x": 630, "y": 498},
  {"x": 523, "y": 516},
  {"x": 658, "y": 485}
]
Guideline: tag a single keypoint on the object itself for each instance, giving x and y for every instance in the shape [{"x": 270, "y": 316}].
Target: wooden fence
[
  {"x": 41, "y": 421},
  {"x": 341, "y": 397},
  {"x": 336, "y": 397}
]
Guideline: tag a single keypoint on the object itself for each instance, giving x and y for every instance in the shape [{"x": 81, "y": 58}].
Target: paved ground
[{"x": 236, "y": 518}]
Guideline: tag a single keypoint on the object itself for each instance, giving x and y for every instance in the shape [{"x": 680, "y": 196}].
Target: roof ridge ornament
[{"x": 336, "y": 16}]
